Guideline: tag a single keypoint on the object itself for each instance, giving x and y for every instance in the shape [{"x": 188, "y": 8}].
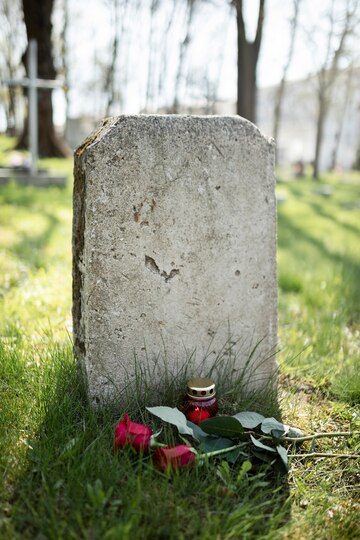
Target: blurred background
[{"x": 292, "y": 67}]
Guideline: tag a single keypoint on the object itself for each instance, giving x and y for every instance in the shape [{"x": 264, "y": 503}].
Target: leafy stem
[
  {"x": 314, "y": 436},
  {"x": 325, "y": 455},
  {"x": 221, "y": 451}
]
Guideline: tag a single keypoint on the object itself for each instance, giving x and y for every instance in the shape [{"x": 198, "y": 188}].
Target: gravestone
[{"x": 174, "y": 246}]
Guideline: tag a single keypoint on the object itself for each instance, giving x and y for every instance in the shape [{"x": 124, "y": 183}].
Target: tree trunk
[
  {"x": 246, "y": 95},
  {"x": 319, "y": 136},
  {"x": 65, "y": 56},
  {"x": 164, "y": 52},
  {"x": 356, "y": 164},
  {"x": 11, "y": 19},
  {"x": 328, "y": 74},
  {"x": 183, "y": 48},
  {"x": 341, "y": 120},
  {"x": 37, "y": 17},
  {"x": 109, "y": 86},
  {"x": 149, "y": 98},
  {"x": 281, "y": 89},
  {"x": 10, "y": 112},
  {"x": 248, "y": 54}
]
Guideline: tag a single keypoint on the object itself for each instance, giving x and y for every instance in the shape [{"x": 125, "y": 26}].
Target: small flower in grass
[
  {"x": 174, "y": 458},
  {"x": 136, "y": 435}
]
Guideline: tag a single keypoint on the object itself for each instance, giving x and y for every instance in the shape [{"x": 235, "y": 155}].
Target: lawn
[{"x": 60, "y": 478}]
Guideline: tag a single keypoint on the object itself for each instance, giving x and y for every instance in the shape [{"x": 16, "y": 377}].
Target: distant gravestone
[{"x": 174, "y": 246}]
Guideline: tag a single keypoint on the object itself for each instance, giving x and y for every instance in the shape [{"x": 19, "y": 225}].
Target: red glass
[
  {"x": 200, "y": 402},
  {"x": 197, "y": 410}
]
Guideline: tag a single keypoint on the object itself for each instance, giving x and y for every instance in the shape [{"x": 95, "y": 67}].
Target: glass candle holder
[{"x": 200, "y": 401}]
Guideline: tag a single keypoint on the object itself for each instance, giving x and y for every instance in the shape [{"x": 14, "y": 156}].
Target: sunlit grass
[
  {"x": 319, "y": 276},
  {"x": 35, "y": 256}
]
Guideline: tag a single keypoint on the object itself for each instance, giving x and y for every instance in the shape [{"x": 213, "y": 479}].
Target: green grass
[
  {"x": 35, "y": 257},
  {"x": 319, "y": 278},
  {"x": 67, "y": 483},
  {"x": 59, "y": 476}
]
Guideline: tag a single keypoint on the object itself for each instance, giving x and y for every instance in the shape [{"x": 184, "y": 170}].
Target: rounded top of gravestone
[{"x": 229, "y": 124}]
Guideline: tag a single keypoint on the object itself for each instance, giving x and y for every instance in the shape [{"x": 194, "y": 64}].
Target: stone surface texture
[{"x": 174, "y": 245}]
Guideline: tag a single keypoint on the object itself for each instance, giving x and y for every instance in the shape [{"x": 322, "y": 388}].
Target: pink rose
[
  {"x": 136, "y": 435},
  {"x": 174, "y": 458}
]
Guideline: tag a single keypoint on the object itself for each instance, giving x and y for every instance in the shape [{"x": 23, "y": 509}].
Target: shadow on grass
[
  {"x": 75, "y": 487},
  {"x": 43, "y": 202},
  {"x": 320, "y": 211},
  {"x": 31, "y": 248},
  {"x": 349, "y": 267},
  {"x": 29, "y": 196}
]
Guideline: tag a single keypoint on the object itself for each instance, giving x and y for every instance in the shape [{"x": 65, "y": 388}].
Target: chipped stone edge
[{"x": 95, "y": 136}]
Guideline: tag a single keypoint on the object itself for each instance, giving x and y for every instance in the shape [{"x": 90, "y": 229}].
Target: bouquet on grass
[{"x": 245, "y": 435}]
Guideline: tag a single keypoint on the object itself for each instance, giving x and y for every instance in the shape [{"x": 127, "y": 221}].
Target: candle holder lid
[{"x": 201, "y": 388}]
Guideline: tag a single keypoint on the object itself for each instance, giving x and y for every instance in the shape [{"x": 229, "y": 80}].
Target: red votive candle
[{"x": 200, "y": 401}]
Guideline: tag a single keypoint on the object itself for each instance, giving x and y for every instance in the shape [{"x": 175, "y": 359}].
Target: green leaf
[
  {"x": 249, "y": 419},
  {"x": 277, "y": 434},
  {"x": 223, "y": 426},
  {"x": 283, "y": 455},
  {"x": 172, "y": 416},
  {"x": 233, "y": 455},
  {"x": 259, "y": 444},
  {"x": 262, "y": 456},
  {"x": 294, "y": 432},
  {"x": 199, "y": 434},
  {"x": 245, "y": 468},
  {"x": 210, "y": 444},
  {"x": 271, "y": 423}
]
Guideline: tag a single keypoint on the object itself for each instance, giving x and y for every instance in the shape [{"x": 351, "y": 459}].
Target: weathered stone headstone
[{"x": 174, "y": 241}]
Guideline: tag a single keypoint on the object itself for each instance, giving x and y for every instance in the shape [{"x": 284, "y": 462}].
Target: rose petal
[
  {"x": 174, "y": 458},
  {"x": 137, "y": 435}
]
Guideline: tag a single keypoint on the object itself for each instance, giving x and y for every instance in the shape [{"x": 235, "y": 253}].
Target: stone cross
[
  {"x": 33, "y": 84},
  {"x": 174, "y": 247}
]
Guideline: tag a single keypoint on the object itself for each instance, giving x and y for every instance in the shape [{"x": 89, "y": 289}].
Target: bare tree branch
[{"x": 281, "y": 87}]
